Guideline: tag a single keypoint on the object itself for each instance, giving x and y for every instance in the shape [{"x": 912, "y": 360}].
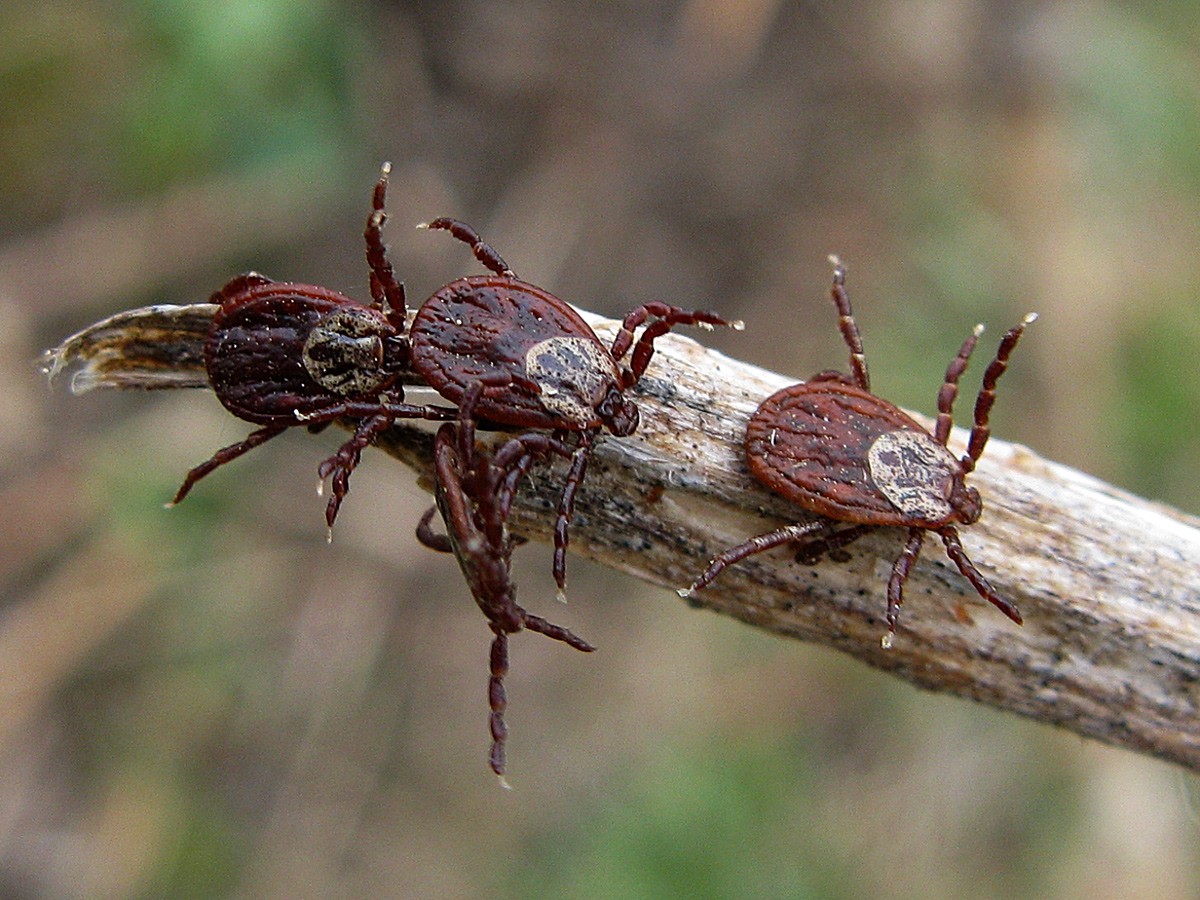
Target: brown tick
[
  {"x": 834, "y": 448},
  {"x": 540, "y": 363},
  {"x": 280, "y": 354},
  {"x": 474, "y": 490}
]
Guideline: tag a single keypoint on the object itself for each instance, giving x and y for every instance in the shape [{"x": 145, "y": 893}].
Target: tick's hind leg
[
  {"x": 954, "y": 549},
  {"x": 498, "y": 700},
  {"x": 758, "y": 544},
  {"x": 224, "y": 455},
  {"x": 484, "y": 252}
]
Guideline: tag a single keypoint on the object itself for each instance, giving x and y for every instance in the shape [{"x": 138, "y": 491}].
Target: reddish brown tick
[
  {"x": 474, "y": 490},
  {"x": 281, "y": 354},
  {"x": 837, "y": 450},
  {"x": 540, "y": 364}
]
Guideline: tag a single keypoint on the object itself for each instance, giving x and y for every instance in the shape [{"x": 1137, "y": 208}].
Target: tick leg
[
  {"x": 954, "y": 549},
  {"x": 511, "y": 462},
  {"x": 847, "y": 325},
  {"x": 811, "y": 552},
  {"x": 498, "y": 700},
  {"x": 555, "y": 632},
  {"x": 342, "y": 463},
  {"x": 949, "y": 389},
  {"x": 387, "y": 292},
  {"x": 224, "y": 455},
  {"x": 483, "y": 251},
  {"x": 987, "y": 392},
  {"x": 430, "y": 538},
  {"x": 566, "y": 508},
  {"x": 901, "y": 568},
  {"x": 757, "y": 544},
  {"x": 668, "y": 317}
]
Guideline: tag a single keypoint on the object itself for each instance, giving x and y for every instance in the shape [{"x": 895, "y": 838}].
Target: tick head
[
  {"x": 618, "y": 413},
  {"x": 966, "y": 502},
  {"x": 344, "y": 352}
]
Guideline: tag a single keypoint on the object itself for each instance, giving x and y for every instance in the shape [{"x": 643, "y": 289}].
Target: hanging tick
[
  {"x": 835, "y": 449},
  {"x": 474, "y": 490},
  {"x": 540, "y": 364},
  {"x": 280, "y": 354}
]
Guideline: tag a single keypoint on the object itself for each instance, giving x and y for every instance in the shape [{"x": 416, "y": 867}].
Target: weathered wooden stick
[{"x": 1109, "y": 583}]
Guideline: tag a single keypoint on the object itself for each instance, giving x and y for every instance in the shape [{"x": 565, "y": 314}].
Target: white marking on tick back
[
  {"x": 572, "y": 373},
  {"x": 914, "y": 472}
]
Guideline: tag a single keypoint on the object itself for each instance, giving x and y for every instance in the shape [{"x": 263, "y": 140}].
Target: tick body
[
  {"x": 545, "y": 365},
  {"x": 538, "y": 363},
  {"x": 838, "y": 451}
]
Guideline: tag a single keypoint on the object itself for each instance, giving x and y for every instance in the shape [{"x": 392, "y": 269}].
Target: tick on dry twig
[
  {"x": 541, "y": 366},
  {"x": 838, "y": 451},
  {"x": 281, "y": 354}
]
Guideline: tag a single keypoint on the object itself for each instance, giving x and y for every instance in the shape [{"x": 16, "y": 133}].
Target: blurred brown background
[{"x": 209, "y": 701}]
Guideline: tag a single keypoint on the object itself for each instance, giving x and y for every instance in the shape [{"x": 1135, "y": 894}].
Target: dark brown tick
[
  {"x": 539, "y": 363},
  {"x": 474, "y": 490},
  {"x": 834, "y": 448},
  {"x": 280, "y": 354}
]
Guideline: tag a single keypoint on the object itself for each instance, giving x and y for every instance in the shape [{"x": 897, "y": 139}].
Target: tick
[
  {"x": 474, "y": 492},
  {"x": 835, "y": 449},
  {"x": 539, "y": 364},
  {"x": 281, "y": 354}
]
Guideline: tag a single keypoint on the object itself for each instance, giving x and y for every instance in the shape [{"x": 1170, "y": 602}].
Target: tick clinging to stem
[
  {"x": 280, "y": 354},
  {"x": 539, "y": 364},
  {"x": 838, "y": 451}
]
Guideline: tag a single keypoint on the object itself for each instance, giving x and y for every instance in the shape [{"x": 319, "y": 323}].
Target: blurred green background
[{"x": 209, "y": 701}]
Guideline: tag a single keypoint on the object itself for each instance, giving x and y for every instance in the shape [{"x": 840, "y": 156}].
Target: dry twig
[{"x": 1109, "y": 583}]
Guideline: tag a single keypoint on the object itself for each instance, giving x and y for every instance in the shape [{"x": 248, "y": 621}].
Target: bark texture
[{"x": 1108, "y": 583}]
